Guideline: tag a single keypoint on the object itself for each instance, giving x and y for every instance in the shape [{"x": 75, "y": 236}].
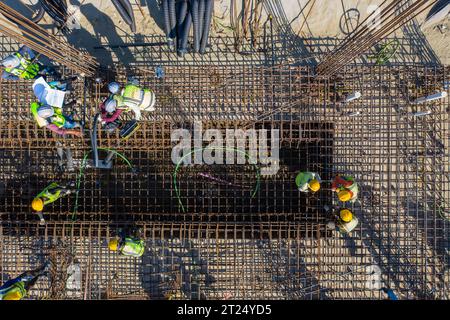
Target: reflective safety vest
[
  {"x": 133, "y": 96},
  {"x": 49, "y": 194},
  {"x": 346, "y": 227},
  {"x": 132, "y": 247},
  {"x": 303, "y": 178},
  {"x": 27, "y": 69},
  {"x": 18, "y": 286},
  {"x": 57, "y": 119}
]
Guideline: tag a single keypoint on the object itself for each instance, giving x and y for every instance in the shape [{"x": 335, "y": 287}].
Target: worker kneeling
[
  {"x": 346, "y": 221},
  {"x": 53, "y": 119},
  {"x": 127, "y": 246},
  {"x": 308, "y": 181},
  {"x": 346, "y": 188}
]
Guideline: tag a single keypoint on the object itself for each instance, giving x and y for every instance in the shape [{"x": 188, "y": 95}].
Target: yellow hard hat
[
  {"x": 344, "y": 195},
  {"x": 314, "y": 185},
  {"x": 346, "y": 215},
  {"x": 12, "y": 296},
  {"x": 113, "y": 244},
  {"x": 37, "y": 204}
]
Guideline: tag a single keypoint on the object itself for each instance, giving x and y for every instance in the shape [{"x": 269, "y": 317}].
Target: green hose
[
  {"x": 81, "y": 174},
  {"x": 177, "y": 192}
]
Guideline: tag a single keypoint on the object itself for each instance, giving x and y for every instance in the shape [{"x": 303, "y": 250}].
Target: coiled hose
[
  {"x": 201, "y": 18},
  {"x": 206, "y": 25},
  {"x": 181, "y": 16},
  {"x": 172, "y": 19},
  {"x": 57, "y": 10},
  {"x": 126, "y": 12},
  {"x": 185, "y": 34},
  {"x": 195, "y": 23},
  {"x": 39, "y": 15}
]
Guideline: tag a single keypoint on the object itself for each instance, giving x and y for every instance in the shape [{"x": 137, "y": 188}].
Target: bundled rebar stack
[
  {"x": 180, "y": 16},
  {"x": 23, "y": 30},
  {"x": 374, "y": 28}
]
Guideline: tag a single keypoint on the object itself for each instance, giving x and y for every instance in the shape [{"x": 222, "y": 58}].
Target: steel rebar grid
[{"x": 396, "y": 157}]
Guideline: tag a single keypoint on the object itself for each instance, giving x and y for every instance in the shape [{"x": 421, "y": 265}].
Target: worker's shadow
[
  {"x": 174, "y": 270},
  {"x": 104, "y": 29}
]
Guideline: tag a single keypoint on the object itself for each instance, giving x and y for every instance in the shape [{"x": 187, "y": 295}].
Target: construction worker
[
  {"x": 53, "y": 119},
  {"x": 308, "y": 181},
  {"x": 17, "y": 288},
  {"x": 346, "y": 221},
  {"x": 50, "y": 194},
  {"x": 346, "y": 188},
  {"x": 23, "y": 65},
  {"x": 127, "y": 246},
  {"x": 132, "y": 97}
]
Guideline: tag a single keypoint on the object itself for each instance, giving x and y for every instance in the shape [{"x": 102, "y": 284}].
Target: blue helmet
[{"x": 114, "y": 87}]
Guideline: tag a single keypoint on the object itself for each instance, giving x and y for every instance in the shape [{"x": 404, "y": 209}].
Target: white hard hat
[
  {"x": 45, "y": 111},
  {"x": 114, "y": 87},
  {"x": 110, "y": 105},
  {"x": 11, "y": 61}
]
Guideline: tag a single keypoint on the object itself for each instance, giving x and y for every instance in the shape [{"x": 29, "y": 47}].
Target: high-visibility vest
[
  {"x": 134, "y": 96},
  {"x": 27, "y": 69},
  {"x": 18, "y": 286},
  {"x": 346, "y": 227},
  {"x": 34, "y": 110},
  {"x": 132, "y": 247},
  {"x": 57, "y": 119},
  {"x": 303, "y": 178},
  {"x": 48, "y": 196}
]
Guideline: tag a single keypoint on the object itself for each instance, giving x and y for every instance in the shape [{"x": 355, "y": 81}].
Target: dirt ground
[{"x": 100, "y": 19}]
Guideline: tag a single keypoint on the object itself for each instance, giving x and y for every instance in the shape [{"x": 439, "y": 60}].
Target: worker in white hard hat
[
  {"x": 23, "y": 65},
  {"x": 345, "y": 221}
]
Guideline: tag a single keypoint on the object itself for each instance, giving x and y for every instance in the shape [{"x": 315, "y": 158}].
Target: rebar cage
[{"x": 226, "y": 244}]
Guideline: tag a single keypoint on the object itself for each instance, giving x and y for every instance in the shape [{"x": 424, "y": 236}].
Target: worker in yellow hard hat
[
  {"x": 346, "y": 188},
  {"x": 345, "y": 221},
  {"x": 50, "y": 194},
  {"x": 16, "y": 289},
  {"x": 127, "y": 245},
  {"x": 308, "y": 181}
]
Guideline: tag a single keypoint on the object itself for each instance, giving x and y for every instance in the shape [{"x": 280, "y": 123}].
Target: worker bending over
[
  {"x": 131, "y": 98},
  {"x": 24, "y": 65},
  {"x": 346, "y": 188},
  {"x": 17, "y": 288},
  {"x": 50, "y": 194},
  {"x": 345, "y": 221},
  {"x": 308, "y": 181},
  {"x": 127, "y": 246}
]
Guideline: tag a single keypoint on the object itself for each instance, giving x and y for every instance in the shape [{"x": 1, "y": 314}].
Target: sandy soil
[{"x": 99, "y": 19}]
